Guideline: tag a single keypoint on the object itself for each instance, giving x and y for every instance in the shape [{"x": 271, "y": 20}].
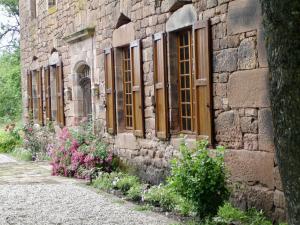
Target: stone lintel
[
  {"x": 80, "y": 35},
  {"x": 123, "y": 35},
  {"x": 182, "y": 18}
]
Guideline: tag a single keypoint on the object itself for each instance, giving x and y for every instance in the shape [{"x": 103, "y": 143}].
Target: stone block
[
  {"x": 265, "y": 129},
  {"x": 279, "y": 199},
  {"x": 249, "y": 125},
  {"x": 221, "y": 90},
  {"x": 251, "y": 112},
  {"x": 228, "y": 130},
  {"x": 261, "y": 48},
  {"x": 250, "y": 142},
  {"x": 211, "y": 3},
  {"x": 249, "y": 88},
  {"x": 247, "y": 54},
  {"x": 127, "y": 141},
  {"x": 251, "y": 167},
  {"x": 279, "y": 215},
  {"x": 261, "y": 198},
  {"x": 150, "y": 123},
  {"x": 243, "y": 16},
  {"x": 225, "y": 60},
  {"x": 223, "y": 78},
  {"x": 277, "y": 179}
]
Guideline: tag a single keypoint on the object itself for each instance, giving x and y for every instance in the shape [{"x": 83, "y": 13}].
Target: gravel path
[{"x": 30, "y": 196}]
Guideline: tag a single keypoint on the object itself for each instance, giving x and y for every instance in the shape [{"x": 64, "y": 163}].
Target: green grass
[
  {"x": 21, "y": 154},
  {"x": 142, "y": 208}
]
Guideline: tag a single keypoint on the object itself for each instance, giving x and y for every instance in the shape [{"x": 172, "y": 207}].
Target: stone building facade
[{"x": 79, "y": 56}]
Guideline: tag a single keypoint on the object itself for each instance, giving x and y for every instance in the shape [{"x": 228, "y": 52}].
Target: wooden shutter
[
  {"x": 29, "y": 95},
  {"x": 110, "y": 91},
  {"x": 137, "y": 88},
  {"x": 203, "y": 80},
  {"x": 60, "y": 115},
  {"x": 160, "y": 86},
  {"x": 47, "y": 93},
  {"x": 39, "y": 81}
]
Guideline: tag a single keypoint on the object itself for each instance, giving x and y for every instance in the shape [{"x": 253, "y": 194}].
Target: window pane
[
  {"x": 127, "y": 87},
  {"x": 187, "y": 53},
  {"x": 185, "y": 78},
  {"x": 187, "y": 67}
]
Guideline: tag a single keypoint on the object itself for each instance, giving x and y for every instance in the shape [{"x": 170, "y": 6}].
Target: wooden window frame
[
  {"x": 47, "y": 90},
  {"x": 191, "y": 62},
  {"x": 125, "y": 105}
]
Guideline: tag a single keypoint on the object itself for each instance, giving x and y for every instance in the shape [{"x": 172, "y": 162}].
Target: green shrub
[
  {"x": 227, "y": 214},
  {"x": 126, "y": 182},
  {"x": 135, "y": 193},
  {"x": 184, "y": 207},
  {"x": 8, "y": 141},
  {"x": 103, "y": 182},
  {"x": 161, "y": 196},
  {"x": 107, "y": 181},
  {"x": 200, "y": 178},
  {"x": 255, "y": 217}
]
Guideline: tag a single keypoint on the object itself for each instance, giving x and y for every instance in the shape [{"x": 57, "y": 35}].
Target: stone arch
[
  {"x": 184, "y": 17},
  {"x": 82, "y": 90}
]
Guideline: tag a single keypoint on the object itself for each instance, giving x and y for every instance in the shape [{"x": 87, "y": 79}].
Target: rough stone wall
[{"x": 242, "y": 115}]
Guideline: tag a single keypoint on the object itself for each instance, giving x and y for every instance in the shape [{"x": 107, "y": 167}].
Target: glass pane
[
  {"x": 183, "y": 110},
  {"x": 187, "y": 67},
  {"x": 189, "y": 125},
  {"x": 182, "y": 84},
  {"x": 184, "y": 124},
  {"x": 188, "y": 106},
  {"x": 187, "y": 80},
  {"x": 182, "y": 68},
  {"x": 187, "y": 95},
  {"x": 187, "y": 54},
  {"x": 182, "y": 53}
]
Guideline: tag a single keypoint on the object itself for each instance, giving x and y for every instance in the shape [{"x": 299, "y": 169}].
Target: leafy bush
[
  {"x": 9, "y": 139},
  {"x": 126, "y": 182},
  {"x": 200, "y": 178},
  {"x": 103, "y": 182},
  {"x": 10, "y": 87},
  {"x": 227, "y": 214},
  {"x": 161, "y": 196},
  {"x": 77, "y": 154},
  {"x": 37, "y": 139},
  {"x": 135, "y": 193}
]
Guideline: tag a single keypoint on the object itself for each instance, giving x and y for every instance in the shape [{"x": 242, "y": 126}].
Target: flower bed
[{"x": 79, "y": 154}]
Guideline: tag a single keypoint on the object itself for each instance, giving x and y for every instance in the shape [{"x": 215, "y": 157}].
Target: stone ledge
[{"x": 80, "y": 35}]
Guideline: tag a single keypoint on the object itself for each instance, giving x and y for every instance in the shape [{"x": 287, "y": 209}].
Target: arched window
[{"x": 85, "y": 85}]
